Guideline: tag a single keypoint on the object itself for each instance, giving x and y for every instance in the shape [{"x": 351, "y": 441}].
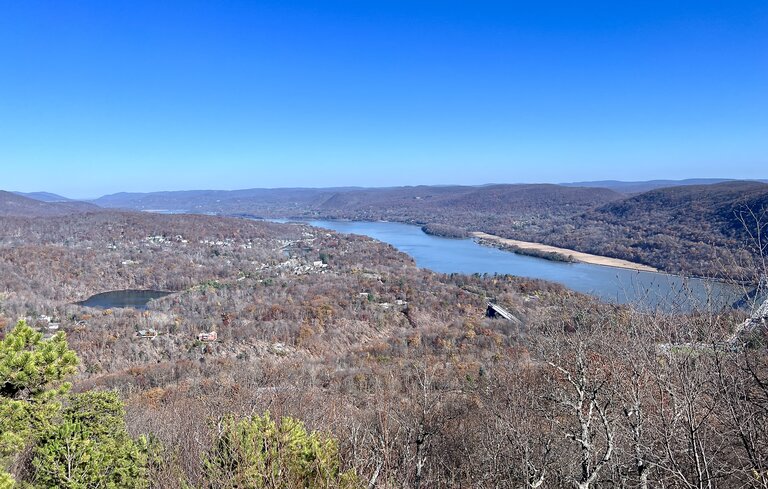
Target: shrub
[{"x": 258, "y": 452}]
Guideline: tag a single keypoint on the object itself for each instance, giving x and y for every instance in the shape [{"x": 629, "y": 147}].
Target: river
[{"x": 446, "y": 255}]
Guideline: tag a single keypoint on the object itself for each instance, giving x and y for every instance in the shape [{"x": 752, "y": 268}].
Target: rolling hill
[
  {"x": 645, "y": 186},
  {"x": 14, "y": 205},
  {"x": 217, "y": 201},
  {"x": 44, "y": 196},
  {"x": 695, "y": 227},
  {"x": 417, "y": 203},
  {"x": 705, "y": 229}
]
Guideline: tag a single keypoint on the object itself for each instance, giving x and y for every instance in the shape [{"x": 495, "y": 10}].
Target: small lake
[
  {"x": 446, "y": 255},
  {"x": 135, "y": 299}
]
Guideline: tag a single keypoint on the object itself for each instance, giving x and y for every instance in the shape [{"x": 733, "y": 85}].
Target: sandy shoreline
[{"x": 577, "y": 255}]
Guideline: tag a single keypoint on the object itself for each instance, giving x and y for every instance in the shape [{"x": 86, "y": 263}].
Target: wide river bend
[{"x": 446, "y": 255}]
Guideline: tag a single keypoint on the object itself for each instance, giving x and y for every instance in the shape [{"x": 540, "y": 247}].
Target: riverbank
[{"x": 575, "y": 255}]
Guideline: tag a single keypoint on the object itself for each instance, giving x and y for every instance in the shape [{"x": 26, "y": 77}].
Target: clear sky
[{"x": 106, "y": 96}]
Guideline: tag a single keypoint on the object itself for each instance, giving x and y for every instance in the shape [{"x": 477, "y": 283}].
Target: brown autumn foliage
[
  {"x": 400, "y": 364},
  {"x": 693, "y": 229}
]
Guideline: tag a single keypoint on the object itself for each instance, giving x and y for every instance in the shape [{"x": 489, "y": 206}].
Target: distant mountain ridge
[
  {"x": 369, "y": 203},
  {"x": 218, "y": 200},
  {"x": 645, "y": 186},
  {"x": 201, "y": 201},
  {"x": 44, "y": 196},
  {"x": 14, "y": 205},
  {"x": 693, "y": 226}
]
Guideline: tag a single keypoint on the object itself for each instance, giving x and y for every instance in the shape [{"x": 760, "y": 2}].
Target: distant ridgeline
[{"x": 701, "y": 227}]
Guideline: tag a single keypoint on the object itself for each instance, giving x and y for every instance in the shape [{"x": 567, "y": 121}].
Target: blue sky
[{"x": 99, "y": 97}]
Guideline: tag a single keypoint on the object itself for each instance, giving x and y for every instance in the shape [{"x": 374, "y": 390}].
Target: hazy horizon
[{"x": 211, "y": 189}]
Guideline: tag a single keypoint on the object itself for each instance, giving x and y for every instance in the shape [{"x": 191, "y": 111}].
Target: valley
[
  {"x": 696, "y": 229},
  {"x": 350, "y": 336},
  {"x": 286, "y": 244}
]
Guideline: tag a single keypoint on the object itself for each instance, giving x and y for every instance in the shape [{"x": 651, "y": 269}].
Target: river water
[{"x": 446, "y": 255}]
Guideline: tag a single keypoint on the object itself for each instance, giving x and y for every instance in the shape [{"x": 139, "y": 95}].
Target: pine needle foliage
[{"x": 259, "y": 452}]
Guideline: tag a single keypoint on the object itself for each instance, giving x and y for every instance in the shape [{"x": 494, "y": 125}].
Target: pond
[{"x": 136, "y": 299}]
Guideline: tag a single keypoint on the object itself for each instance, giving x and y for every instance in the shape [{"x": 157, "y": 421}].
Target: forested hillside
[
  {"x": 396, "y": 373},
  {"x": 707, "y": 230},
  {"x": 645, "y": 186},
  {"x": 715, "y": 230},
  {"x": 17, "y": 205}
]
